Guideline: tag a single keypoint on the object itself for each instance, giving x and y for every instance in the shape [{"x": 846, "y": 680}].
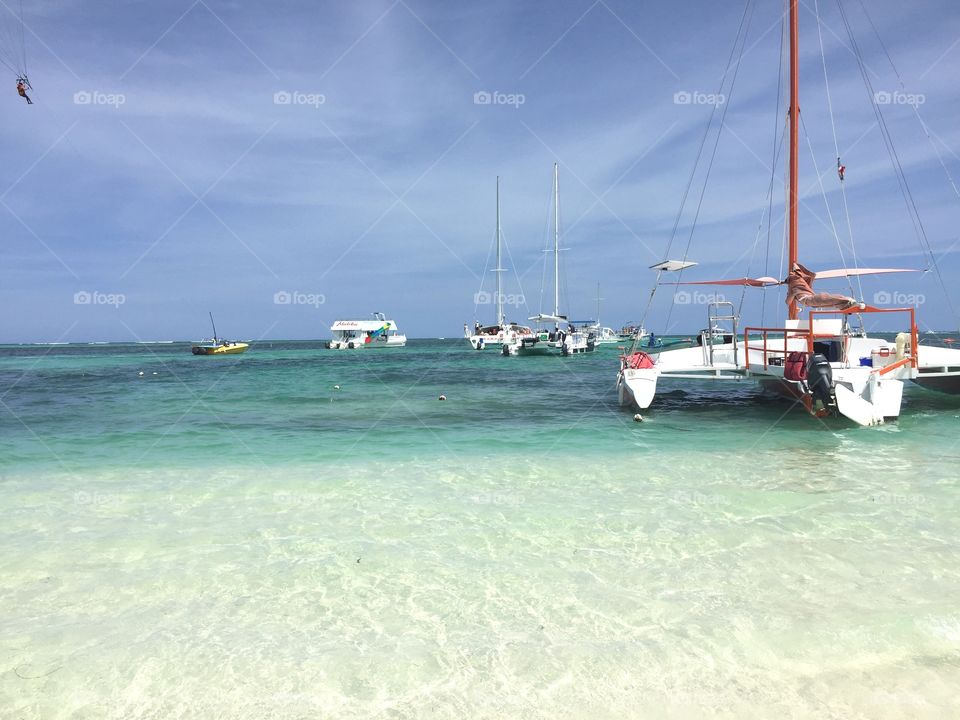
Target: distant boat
[
  {"x": 493, "y": 335},
  {"x": 356, "y": 334},
  {"x": 218, "y": 346},
  {"x": 565, "y": 336}
]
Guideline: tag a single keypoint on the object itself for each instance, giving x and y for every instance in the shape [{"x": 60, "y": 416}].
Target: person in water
[{"x": 22, "y": 91}]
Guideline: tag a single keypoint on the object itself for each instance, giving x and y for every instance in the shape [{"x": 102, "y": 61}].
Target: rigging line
[
  {"x": 516, "y": 274},
  {"x": 23, "y": 41},
  {"x": 716, "y": 143},
  {"x": 836, "y": 148},
  {"x": 483, "y": 275},
  {"x": 777, "y": 147},
  {"x": 915, "y": 106},
  {"x": 884, "y": 132},
  {"x": 546, "y": 249},
  {"x": 898, "y": 167},
  {"x": 823, "y": 193},
  {"x": 693, "y": 173}
]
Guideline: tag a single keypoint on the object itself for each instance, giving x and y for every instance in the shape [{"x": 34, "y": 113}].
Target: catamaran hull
[{"x": 637, "y": 388}]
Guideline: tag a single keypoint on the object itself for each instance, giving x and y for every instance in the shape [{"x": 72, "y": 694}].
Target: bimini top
[{"x": 364, "y": 325}]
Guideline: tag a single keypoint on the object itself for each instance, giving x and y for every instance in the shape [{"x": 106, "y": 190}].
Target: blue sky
[{"x": 160, "y": 164}]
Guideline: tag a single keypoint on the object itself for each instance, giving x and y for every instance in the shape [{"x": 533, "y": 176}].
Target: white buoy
[
  {"x": 140, "y": 373},
  {"x": 638, "y": 418},
  {"x": 442, "y": 397},
  {"x": 336, "y": 387}
]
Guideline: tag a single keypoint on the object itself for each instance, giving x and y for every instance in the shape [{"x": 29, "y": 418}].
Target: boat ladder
[{"x": 715, "y": 313}]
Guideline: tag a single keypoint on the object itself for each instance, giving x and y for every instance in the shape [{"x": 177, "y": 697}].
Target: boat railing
[
  {"x": 908, "y": 359},
  {"x": 778, "y": 345}
]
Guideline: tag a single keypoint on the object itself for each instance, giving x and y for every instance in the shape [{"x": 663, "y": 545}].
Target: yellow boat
[{"x": 218, "y": 346}]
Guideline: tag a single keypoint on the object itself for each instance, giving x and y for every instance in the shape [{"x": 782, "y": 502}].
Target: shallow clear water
[{"x": 233, "y": 537}]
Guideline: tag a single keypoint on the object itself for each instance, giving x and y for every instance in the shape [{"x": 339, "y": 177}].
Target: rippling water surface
[{"x": 236, "y": 537}]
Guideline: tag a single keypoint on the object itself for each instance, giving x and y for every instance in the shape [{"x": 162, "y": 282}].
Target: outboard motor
[{"x": 820, "y": 381}]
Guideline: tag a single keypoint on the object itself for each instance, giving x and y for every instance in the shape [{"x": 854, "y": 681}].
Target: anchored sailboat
[
  {"x": 565, "y": 336},
  {"x": 831, "y": 367},
  {"x": 218, "y": 346},
  {"x": 493, "y": 335}
]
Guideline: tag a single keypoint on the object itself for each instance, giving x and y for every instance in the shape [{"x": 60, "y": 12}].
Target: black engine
[{"x": 820, "y": 380}]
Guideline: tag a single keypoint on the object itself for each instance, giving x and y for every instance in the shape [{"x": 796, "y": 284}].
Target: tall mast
[
  {"x": 556, "y": 240},
  {"x": 499, "y": 270},
  {"x": 214, "y": 326},
  {"x": 794, "y": 138}
]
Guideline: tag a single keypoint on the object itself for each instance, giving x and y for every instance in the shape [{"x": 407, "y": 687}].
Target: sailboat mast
[
  {"x": 556, "y": 240},
  {"x": 794, "y": 139},
  {"x": 499, "y": 270},
  {"x": 214, "y": 327}
]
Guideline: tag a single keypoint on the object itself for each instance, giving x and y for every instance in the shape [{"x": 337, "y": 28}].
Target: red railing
[{"x": 807, "y": 332}]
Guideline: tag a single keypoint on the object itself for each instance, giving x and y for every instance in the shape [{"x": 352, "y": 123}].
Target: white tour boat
[{"x": 376, "y": 333}]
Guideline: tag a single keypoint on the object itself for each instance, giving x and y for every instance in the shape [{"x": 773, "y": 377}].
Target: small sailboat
[
  {"x": 603, "y": 335},
  {"x": 218, "y": 346}
]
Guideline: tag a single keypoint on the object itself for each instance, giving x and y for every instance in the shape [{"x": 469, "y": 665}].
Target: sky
[{"x": 287, "y": 164}]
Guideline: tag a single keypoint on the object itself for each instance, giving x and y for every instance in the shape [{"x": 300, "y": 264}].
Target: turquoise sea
[{"x": 235, "y": 537}]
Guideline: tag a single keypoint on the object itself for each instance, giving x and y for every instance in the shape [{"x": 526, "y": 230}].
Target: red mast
[{"x": 794, "y": 137}]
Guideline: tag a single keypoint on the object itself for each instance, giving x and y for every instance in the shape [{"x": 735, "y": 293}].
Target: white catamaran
[
  {"x": 821, "y": 359},
  {"x": 565, "y": 337},
  {"x": 482, "y": 337}
]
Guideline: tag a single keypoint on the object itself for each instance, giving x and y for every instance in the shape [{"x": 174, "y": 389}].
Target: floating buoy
[
  {"x": 140, "y": 373},
  {"x": 336, "y": 387},
  {"x": 638, "y": 418},
  {"x": 442, "y": 397}
]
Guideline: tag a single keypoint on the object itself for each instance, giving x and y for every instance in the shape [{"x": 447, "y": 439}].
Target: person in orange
[{"x": 22, "y": 91}]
